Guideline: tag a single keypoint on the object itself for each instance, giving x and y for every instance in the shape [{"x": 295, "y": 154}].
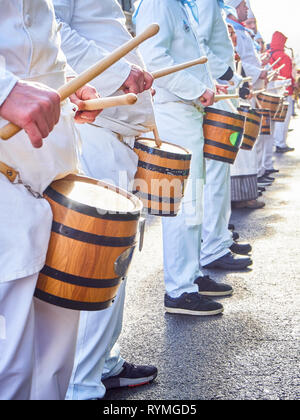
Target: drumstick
[
  {"x": 247, "y": 79},
  {"x": 156, "y": 136},
  {"x": 173, "y": 69},
  {"x": 91, "y": 73},
  {"x": 257, "y": 92},
  {"x": 223, "y": 97},
  {"x": 103, "y": 103},
  {"x": 275, "y": 62},
  {"x": 239, "y": 68}
]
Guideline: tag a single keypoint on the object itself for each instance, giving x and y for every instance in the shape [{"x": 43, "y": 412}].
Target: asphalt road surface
[{"x": 252, "y": 350}]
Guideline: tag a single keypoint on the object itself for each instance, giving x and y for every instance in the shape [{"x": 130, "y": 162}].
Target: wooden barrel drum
[
  {"x": 270, "y": 102},
  {"x": 92, "y": 242},
  {"x": 266, "y": 121},
  {"x": 161, "y": 176},
  {"x": 283, "y": 113},
  {"x": 252, "y": 127},
  {"x": 223, "y": 133}
]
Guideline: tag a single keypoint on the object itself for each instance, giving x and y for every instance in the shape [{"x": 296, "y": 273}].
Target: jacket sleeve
[
  {"x": 155, "y": 51},
  {"x": 80, "y": 51},
  {"x": 248, "y": 56},
  {"x": 7, "y": 83},
  {"x": 208, "y": 11}
]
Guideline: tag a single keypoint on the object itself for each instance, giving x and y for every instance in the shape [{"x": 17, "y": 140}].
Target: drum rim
[
  {"x": 94, "y": 211},
  {"x": 226, "y": 113},
  {"x": 269, "y": 95},
  {"x": 250, "y": 111},
  {"x": 163, "y": 153}
]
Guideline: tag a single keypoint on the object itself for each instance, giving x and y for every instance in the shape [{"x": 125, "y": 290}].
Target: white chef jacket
[
  {"x": 175, "y": 43},
  {"x": 214, "y": 37},
  {"x": 30, "y": 49},
  {"x": 90, "y": 30},
  {"x": 250, "y": 59}
]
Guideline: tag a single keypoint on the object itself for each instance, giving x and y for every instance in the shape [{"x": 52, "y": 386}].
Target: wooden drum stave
[
  {"x": 270, "y": 102},
  {"x": 223, "y": 133},
  {"x": 161, "y": 176},
  {"x": 252, "y": 127},
  {"x": 92, "y": 242},
  {"x": 266, "y": 121}
]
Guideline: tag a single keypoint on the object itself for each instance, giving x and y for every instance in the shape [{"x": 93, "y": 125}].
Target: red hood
[{"x": 278, "y": 41}]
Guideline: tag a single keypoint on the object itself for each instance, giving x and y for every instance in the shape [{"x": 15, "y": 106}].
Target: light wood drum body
[
  {"x": 283, "y": 112},
  {"x": 266, "y": 121},
  {"x": 223, "y": 133},
  {"x": 161, "y": 176},
  {"x": 270, "y": 102},
  {"x": 252, "y": 127},
  {"x": 92, "y": 242}
]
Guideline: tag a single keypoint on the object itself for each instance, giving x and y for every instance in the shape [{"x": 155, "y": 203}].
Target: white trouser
[
  {"x": 259, "y": 149},
  {"x": 268, "y": 149},
  {"x": 281, "y": 129},
  {"x": 181, "y": 124},
  {"x": 97, "y": 354},
  {"x": 37, "y": 344},
  {"x": 216, "y": 212}
]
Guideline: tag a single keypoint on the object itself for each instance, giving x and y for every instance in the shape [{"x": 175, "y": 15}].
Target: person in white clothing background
[
  {"x": 37, "y": 351},
  {"x": 90, "y": 29},
  {"x": 218, "y": 247},
  {"x": 178, "y": 106},
  {"x": 244, "y": 172}
]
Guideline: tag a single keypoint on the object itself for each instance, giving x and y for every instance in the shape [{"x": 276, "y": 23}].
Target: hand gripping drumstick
[
  {"x": 130, "y": 98},
  {"x": 87, "y": 76}
]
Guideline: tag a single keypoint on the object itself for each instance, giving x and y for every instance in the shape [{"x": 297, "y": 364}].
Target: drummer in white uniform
[
  {"x": 179, "y": 111},
  {"x": 244, "y": 172},
  {"x": 89, "y": 30},
  {"x": 218, "y": 247},
  {"x": 37, "y": 340}
]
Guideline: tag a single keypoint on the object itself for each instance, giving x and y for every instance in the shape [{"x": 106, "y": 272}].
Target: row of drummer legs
[{"x": 97, "y": 354}]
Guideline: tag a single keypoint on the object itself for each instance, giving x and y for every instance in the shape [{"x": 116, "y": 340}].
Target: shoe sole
[
  {"x": 216, "y": 294},
  {"x": 195, "y": 313},
  {"x": 129, "y": 383}
]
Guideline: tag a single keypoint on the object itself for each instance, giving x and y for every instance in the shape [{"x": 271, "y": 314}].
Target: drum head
[
  {"x": 165, "y": 147},
  {"x": 96, "y": 194}
]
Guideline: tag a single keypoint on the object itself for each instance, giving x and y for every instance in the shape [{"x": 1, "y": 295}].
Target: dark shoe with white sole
[
  {"x": 230, "y": 262},
  {"x": 209, "y": 287},
  {"x": 192, "y": 304},
  {"x": 131, "y": 376}
]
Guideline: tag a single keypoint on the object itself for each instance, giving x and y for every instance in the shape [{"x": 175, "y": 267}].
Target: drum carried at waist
[
  {"x": 252, "y": 127},
  {"x": 223, "y": 134},
  {"x": 92, "y": 242},
  {"x": 282, "y": 112},
  {"x": 270, "y": 102},
  {"x": 266, "y": 121},
  {"x": 161, "y": 176}
]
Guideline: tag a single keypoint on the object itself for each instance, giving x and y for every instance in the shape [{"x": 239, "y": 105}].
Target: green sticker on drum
[{"x": 236, "y": 138}]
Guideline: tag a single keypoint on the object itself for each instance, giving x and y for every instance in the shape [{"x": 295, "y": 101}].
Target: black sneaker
[
  {"x": 209, "y": 287},
  {"x": 192, "y": 304},
  {"x": 271, "y": 171},
  {"x": 131, "y": 376}
]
